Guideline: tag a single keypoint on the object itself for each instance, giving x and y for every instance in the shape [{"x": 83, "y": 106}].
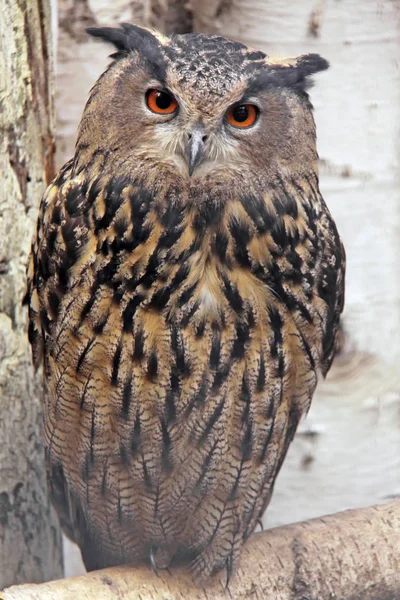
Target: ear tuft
[
  {"x": 130, "y": 38},
  {"x": 291, "y": 72},
  {"x": 308, "y": 64}
]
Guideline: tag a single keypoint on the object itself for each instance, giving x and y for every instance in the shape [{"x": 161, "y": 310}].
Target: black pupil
[
  {"x": 163, "y": 100},
  {"x": 241, "y": 113}
]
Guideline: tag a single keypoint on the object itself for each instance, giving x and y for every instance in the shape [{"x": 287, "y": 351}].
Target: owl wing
[{"x": 49, "y": 253}]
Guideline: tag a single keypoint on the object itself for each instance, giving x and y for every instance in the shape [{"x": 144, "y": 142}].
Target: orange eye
[
  {"x": 242, "y": 115},
  {"x": 161, "y": 102}
]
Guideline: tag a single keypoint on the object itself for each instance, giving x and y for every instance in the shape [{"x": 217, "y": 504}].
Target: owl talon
[{"x": 153, "y": 562}]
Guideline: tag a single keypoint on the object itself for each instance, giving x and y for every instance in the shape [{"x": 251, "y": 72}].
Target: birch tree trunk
[
  {"x": 347, "y": 452},
  {"x": 30, "y": 548}
]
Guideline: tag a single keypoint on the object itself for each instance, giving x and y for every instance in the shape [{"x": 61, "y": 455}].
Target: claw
[{"x": 153, "y": 562}]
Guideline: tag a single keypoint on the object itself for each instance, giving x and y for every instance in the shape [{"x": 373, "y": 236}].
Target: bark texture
[
  {"x": 30, "y": 548},
  {"x": 353, "y": 555}
]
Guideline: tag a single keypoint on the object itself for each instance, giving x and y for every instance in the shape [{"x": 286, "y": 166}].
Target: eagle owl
[{"x": 185, "y": 287}]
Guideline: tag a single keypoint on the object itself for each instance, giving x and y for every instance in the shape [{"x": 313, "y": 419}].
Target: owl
[{"x": 184, "y": 288}]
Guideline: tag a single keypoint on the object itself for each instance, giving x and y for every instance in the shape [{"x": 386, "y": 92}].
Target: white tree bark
[
  {"x": 347, "y": 453},
  {"x": 30, "y": 548}
]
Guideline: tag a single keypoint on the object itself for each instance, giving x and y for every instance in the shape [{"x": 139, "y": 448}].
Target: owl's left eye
[
  {"x": 161, "y": 102},
  {"x": 242, "y": 115}
]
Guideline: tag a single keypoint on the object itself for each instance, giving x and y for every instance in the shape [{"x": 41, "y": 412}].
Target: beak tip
[{"x": 195, "y": 150}]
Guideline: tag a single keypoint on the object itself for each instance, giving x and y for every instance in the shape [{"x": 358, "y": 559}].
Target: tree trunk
[
  {"x": 30, "y": 547},
  {"x": 349, "y": 556}
]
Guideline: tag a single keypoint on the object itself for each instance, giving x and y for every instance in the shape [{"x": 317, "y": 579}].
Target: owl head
[{"x": 199, "y": 104}]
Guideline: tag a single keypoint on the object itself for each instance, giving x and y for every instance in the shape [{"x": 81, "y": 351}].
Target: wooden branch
[{"x": 353, "y": 555}]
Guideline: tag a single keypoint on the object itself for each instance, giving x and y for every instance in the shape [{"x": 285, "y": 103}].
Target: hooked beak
[{"x": 195, "y": 148}]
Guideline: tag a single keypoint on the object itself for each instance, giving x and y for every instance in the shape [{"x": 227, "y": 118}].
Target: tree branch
[{"x": 353, "y": 555}]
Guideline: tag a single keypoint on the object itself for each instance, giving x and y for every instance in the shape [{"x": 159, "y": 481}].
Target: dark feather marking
[
  {"x": 115, "y": 364},
  {"x": 166, "y": 447},
  {"x": 245, "y": 398},
  {"x": 170, "y": 409},
  {"x": 135, "y": 440},
  {"x": 113, "y": 200},
  {"x": 74, "y": 200},
  {"x": 219, "y": 246},
  {"x": 231, "y": 293},
  {"x": 83, "y": 397},
  {"x": 150, "y": 274},
  {"x": 44, "y": 266},
  {"x": 88, "y": 307},
  {"x": 73, "y": 241},
  {"x": 220, "y": 377},
  {"x": 267, "y": 441},
  {"x": 123, "y": 454},
  {"x": 283, "y": 200},
  {"x": 138, "y": 352},
  {"x": 182, "y": 364},
  {"x": 127, "y": 396},
  {"x": 84, "y": 353},
  {"x": 104, "y": 483},
  {"x": 54, "y": 300},
  {"x": 200, "y": 329},
  {"x": 92, "y": 434},
  {"x": 187, "y": 294},
  {"x": 129, "y": 312},
  {"x": 152, "y": 366},
  {"x": 215, "y": 349},
  {"x": 198, "y": 399},
  {"x": 205, "y": 469},
  {"x": 279, "y": 234},
  {"x": 106, "y": 274},
  {"x": 242, "y": 236},
  {"x": 209, "y": 213},
  {"x": 146, "y": 476},
  {"x": 51, "y": 241},
  {"x": 242, "y": 337},
  {"x": 101, "y": 323},
  {"x": 258, "y": 213},
  {"x": 211, "y": 421},
  {"x": 247, "y": 442},
  {"x": 189, "y": 314},
  {"x": 160, "y": 298},
  {"x": 56, "y": 215}
]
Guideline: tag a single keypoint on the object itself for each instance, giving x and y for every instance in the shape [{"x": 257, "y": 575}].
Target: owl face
[{"x": 201, "y": 105}]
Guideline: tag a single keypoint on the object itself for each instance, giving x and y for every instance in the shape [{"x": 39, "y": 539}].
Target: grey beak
[{"x": 195, "y": 148}]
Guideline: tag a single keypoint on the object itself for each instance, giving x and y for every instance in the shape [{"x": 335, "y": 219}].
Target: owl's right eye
[{"x": 161, "y": 102}]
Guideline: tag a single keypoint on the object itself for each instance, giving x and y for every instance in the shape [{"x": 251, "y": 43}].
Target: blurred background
[{"x": 346, "y": 454}]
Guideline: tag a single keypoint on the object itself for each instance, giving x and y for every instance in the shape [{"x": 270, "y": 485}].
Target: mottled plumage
[{"x": 181, "y": 320}]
